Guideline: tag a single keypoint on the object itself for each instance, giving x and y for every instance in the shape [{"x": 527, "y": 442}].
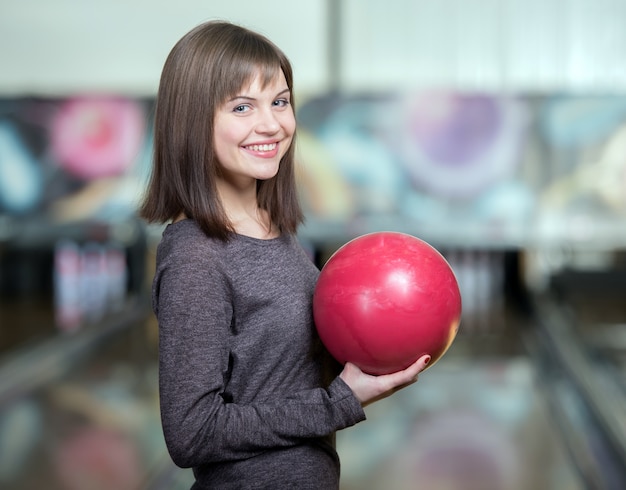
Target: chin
[{"x": 268, "y": 174}]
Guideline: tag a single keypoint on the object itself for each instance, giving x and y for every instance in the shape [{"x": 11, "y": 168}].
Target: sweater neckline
[{"x": 235, "y": 236}]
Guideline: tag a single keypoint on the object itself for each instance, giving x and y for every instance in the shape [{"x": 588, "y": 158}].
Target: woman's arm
[{"x": 200, "y": 423}]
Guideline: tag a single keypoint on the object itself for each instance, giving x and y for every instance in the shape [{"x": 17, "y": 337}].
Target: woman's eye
[
  {"x": 241, "y": 108},
  {"x": 281, "y": 103}
]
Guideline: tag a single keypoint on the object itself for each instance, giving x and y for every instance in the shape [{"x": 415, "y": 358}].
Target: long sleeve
[{"x": 238, "y": 371}]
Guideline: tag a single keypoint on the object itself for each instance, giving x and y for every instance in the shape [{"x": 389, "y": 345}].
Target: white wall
[
  {"x": 65, "y": 46},
  {"x": 536, "y": 45}
]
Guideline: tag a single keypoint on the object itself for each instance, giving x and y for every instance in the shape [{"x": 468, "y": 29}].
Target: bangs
[
  {"x": 243, "y": 76},
  {"x": 246, "y": 61}
]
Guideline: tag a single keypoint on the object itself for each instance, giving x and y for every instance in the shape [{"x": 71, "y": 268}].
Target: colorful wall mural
[
  {"x": 509, "y": 167},
  {"x": 73, "y": 159}
]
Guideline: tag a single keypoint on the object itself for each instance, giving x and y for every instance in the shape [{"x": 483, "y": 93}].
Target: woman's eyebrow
[{"x": 248, "y": 97}]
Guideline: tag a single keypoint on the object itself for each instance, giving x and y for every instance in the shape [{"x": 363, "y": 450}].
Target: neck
[{"x": 242, "y": 209}]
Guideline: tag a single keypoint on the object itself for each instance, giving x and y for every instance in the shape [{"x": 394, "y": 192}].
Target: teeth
[{"x": 269, "y": 147}]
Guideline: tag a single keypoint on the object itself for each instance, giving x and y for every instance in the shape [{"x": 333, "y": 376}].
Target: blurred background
[{"x": 493, "y": 129}]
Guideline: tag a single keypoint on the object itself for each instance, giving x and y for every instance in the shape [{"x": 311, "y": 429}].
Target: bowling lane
[
  {"x": 478, "y": 419},
  {"x": 582, "y": 329},
  {"x": 81, "y": 412},
  {"x": 530, "y": 395},
  {"x": 500, "y": 410}
]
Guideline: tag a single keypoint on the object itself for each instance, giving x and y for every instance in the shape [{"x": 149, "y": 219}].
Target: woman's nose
[{"x": 268, "y": 123}]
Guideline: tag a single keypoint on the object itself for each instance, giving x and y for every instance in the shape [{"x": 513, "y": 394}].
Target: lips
[{"x": 265, "y": 150}]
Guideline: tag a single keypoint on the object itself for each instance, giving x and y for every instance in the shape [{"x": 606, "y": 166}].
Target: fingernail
[{"x": 427, "y": 360}]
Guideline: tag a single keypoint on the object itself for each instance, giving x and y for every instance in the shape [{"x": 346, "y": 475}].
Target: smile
[{"x": 269, "y": 147}]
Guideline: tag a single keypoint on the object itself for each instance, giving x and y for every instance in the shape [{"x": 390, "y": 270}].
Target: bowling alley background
[{"x": 494, "y": 130}]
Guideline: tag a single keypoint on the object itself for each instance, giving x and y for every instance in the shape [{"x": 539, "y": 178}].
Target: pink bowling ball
[{"x": 385, "y": 299}]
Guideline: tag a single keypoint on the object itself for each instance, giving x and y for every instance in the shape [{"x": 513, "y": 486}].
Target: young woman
[{"x": 249, "y": 396}]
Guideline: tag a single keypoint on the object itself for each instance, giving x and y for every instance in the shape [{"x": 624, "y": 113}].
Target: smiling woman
[
  {"x": 253, "y": 132},
  {"x": 249, "y": 396},
  {"x": 206, "y": 73}
]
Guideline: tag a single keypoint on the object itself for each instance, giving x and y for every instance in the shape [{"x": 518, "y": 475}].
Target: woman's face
[{"x": 253, "y": 131}]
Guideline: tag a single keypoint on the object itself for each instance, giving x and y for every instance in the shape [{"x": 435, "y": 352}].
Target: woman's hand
[{"x": 368, "y": 388}]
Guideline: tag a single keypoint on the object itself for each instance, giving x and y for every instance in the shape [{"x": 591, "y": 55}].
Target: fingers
[
  {"x": 368, "y": 388},
  {"x": 421, "y": 363},
  {"x": 411, "y": 373}
]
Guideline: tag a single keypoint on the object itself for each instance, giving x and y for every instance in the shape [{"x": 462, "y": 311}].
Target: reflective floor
[
  {"x": 468, "y": 423},
  {"x": 491, "y": 414}
]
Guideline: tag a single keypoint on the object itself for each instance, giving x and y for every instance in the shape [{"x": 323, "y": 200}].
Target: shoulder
[
  {"x": 190, "y": 267},
  {"x": 184, "y": 243},
  {"x": 186, "y": 237}
]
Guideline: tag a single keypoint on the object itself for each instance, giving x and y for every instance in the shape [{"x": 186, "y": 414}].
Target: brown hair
[{"x": 206, "y": 67}]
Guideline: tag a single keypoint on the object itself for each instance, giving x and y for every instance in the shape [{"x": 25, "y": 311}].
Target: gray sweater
[{"x": 249, "y": 396}]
